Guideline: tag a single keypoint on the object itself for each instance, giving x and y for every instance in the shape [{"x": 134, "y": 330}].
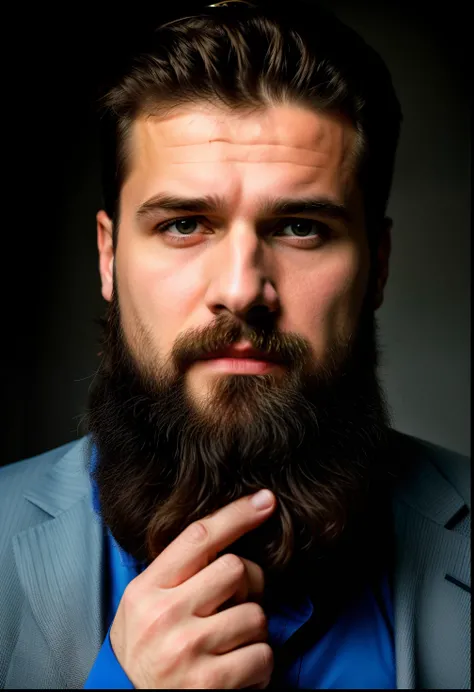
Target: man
[{"x": 243, "y": 250}]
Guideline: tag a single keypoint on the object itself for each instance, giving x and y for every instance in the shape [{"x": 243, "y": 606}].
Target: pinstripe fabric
[
  {"x": 464, "y": 527},
  {"x": 428, "y": 608},
  {"x": 52, "y": 570}
]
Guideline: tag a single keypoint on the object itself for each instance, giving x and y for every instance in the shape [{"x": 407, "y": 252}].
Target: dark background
[{"x": 51, "y": 293}]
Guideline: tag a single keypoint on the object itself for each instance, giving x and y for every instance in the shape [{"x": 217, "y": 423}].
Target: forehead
[{"x": 284, "y": 149}]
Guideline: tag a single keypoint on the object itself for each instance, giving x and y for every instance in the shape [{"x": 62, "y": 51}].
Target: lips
[{"x": 242, "y": 352}]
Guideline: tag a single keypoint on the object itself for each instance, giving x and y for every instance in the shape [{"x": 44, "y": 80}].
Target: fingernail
[{"x": 263, "y": 499}]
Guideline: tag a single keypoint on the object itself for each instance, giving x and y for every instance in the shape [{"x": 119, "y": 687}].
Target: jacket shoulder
[
  {"x": 21, "y": 471},
  {"x": 18, "y": 477},
  {"x": 453, "y": 466}
]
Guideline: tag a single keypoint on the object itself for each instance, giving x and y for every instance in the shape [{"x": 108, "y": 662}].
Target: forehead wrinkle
[
  {"x": 207, "y": 128},
  {"x": 150, "y": 138},
  {"x": 238, "y": 144},
  {"x": 337, "y": 153},
  {"x": 266, "y": 163},
  {"x": 259, "y": 154}
]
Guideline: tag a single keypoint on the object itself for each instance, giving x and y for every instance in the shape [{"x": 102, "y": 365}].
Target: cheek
[
  {"x": 156, "y": 294},
  {"x": 325, "y": 303}
]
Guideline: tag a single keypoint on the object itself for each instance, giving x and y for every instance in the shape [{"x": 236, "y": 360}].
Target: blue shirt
[{"x": 357, "y": 652}]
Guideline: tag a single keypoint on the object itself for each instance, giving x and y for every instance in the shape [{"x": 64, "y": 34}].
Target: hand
[{"x": 168, "y": 631}]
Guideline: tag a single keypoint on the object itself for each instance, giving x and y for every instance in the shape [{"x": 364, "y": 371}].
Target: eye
[
  {"x": 303, "y": 228},
  {"x": 184, "y": 227},
  {"x": 306, "y": 231}
]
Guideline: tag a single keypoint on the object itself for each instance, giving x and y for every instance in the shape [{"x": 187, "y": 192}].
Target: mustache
[{"x": 226, "y": 331}]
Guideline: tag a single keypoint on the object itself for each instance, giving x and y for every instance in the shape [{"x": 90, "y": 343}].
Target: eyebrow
[{"x": 211, "y": 204}]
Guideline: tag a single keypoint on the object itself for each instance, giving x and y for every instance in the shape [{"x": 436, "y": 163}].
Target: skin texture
[{"x": 232, "y": 261}]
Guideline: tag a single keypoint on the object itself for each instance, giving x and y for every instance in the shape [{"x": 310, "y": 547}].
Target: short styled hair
[{"x": 249, "y": 56}]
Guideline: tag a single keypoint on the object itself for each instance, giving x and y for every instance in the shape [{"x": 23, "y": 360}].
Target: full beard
[{"x": 317, "y": 437}]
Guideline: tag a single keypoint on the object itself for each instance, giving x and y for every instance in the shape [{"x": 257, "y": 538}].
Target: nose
[{"x": 241, "y": 280}]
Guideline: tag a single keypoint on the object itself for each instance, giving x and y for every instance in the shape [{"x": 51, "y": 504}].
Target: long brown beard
[{"x": 318, "y": 439}]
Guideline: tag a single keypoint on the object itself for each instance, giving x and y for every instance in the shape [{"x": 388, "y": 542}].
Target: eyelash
[{"x": 323, "y": 230}]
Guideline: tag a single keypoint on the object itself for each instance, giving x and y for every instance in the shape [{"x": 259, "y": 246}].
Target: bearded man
[{"x": 244, "y": 250}]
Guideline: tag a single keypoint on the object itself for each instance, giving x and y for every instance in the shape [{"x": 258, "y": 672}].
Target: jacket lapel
[
  {"x": 427, "y": 557},
  {"x": 60, "y": 567}
]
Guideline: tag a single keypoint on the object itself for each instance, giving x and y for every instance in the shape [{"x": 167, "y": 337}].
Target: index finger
[{"x": 200, "y": 542}]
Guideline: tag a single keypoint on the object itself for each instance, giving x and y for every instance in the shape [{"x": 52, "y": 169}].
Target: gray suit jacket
[{"x": 52, "y": 619}]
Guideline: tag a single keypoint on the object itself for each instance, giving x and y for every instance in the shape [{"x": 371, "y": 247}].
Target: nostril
[{"x": 258, "y": 315}]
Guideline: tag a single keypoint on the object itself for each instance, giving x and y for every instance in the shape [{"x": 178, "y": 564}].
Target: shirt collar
[{"x": 95, "y": 490}]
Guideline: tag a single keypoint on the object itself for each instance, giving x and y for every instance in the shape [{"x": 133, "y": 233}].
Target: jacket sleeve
[{"x": 107, "y": 673}]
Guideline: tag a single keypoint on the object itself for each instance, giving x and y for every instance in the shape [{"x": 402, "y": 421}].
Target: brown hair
[{"x": 244, "y": 58}]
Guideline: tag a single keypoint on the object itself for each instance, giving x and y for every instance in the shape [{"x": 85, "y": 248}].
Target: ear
[
  {"x": 384, "y": 248},
  {"x": 106, "y": 253}
]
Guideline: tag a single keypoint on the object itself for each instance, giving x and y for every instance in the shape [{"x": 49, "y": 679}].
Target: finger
[
  {"x": 214, "y": 585},
  {"x": 259, "y": 686},
  {"x": 251, "y": 588},
  {"x": 238, "y": 626},
  {"x": 249, "y": 665},
  {"x": 200, "y": 542},
  {"x": 255, "y": 583}
]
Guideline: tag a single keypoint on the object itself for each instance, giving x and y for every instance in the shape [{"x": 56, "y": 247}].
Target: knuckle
[
  {"x": 241, "y": 510},
  {"x": 201, "y": 640},
  {"x": 266, "y": 654},
  {"x": 258, "y": 616},
  {"x": 208, "y": 680},
  {"x": 163, "y": 616},
  {"x": 183, "y": 646},
  {"x": 260, "y": 573},
  {"x": 171, "y": 609},
  {"x": 197, "y": 533},
  {"x": 130, "y": 596},
  {"x": 233, "y": 564}
]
